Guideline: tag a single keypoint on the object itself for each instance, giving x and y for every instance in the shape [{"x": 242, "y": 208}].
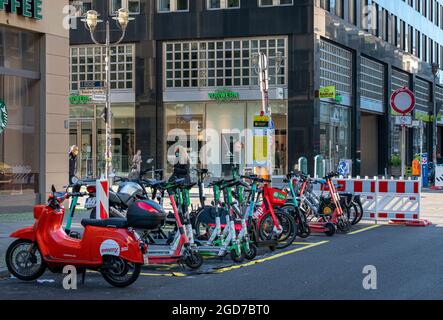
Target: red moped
[{"x": 108, "y": 246}]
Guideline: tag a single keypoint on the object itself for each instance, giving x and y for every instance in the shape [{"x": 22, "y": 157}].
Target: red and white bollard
[{"x": 102, "y": 204}]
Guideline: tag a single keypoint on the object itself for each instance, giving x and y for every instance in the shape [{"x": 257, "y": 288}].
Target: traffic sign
[
  {"x": 403, "y": 101},
  {"x": 99, "y": 97},
  {"x": 403, "y": 120}
]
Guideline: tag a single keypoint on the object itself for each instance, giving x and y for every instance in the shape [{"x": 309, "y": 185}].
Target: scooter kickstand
[{"x": 83, "y": 277}]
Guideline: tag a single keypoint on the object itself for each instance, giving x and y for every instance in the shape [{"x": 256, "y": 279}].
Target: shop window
[
  {"x": 172, "y": 5},
  {"x": 123, "y": 139},
  {"x": 19, "y": 143},
  {"x": 223, "y": 4},
  {"x": 230, "y": 145},
  {"x": 335, "y": 134},
  {"x": 133, "y": 6},
  {"x": 271, "y": 3}
]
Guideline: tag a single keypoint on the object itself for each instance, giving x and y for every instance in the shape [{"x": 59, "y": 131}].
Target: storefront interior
[
  {"x": 87, "y": 130},
  {"x": 221, "y": 139}
]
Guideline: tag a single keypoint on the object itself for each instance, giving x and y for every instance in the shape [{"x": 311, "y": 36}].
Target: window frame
[
  {"x": 173, "y": 7},
  {"x": 275, "y": 3},
  {"x": 125, "y": 4},
  {"x": 223, "y": 5}
]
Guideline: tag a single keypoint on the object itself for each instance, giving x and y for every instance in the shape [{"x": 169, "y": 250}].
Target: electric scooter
[
  {"x": 180, "y": 249},
  {"x": 109, "y": 246},
  {"x": 221, "y": 243}
]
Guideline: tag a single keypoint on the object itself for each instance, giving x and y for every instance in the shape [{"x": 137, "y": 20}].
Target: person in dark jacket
[
  {"x": 181, "y": 166},
  {"x": 73, "y": 153}
]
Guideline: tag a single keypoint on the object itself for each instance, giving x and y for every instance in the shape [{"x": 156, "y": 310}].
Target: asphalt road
[{"x": 408, "y": 261}]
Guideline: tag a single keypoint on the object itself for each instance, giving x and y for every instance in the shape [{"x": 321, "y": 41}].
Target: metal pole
[
  {"x": 434, "y": 124},
  {"x": 108, "y": 114},
  {"x": 403, "y": 150}
]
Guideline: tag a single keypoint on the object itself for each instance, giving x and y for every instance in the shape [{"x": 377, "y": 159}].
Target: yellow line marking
[
  {"x": 269, "y": 258},
  {"x": 365, "y": 229},
  {"x": 174, "y": 274},
  {"x": 305, "y": 243}
]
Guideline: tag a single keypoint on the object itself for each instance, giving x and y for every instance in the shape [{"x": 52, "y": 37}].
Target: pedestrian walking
[
  {"x": 136, "y": 166},
  {"x": 73, "y": 153}
]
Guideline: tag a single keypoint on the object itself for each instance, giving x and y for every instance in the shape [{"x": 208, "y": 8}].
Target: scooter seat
[{"x": 118, "y": 223}]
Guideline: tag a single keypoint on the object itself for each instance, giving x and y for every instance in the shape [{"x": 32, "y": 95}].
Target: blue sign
[
  {"x": 343, "y": 168},
  {"x": 91, "y": 84},
  {"x": 424, "y": 170}
]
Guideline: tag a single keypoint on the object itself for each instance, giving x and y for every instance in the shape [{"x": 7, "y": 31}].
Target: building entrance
[{"x": 369, "y": 144}]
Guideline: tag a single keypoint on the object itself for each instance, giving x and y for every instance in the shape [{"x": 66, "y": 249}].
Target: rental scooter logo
[{"x": 109, "y": 247}]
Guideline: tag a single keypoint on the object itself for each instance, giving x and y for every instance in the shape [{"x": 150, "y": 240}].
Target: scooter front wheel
[
  {"x": 237, "y": 258},
  {"x": 252, "y": 252},
  {"x": 194, "y": 260},
  {"x": 24, "y": 260},
  {"x": 119, "y": 272}
]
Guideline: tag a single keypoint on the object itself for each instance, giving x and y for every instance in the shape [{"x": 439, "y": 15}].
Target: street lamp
[
  {"x": 91, "y": 21},
  {"x": 435, "y": 70}
]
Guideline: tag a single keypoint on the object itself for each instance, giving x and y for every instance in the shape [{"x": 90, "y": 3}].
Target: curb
[{"x": 4, "y": 273}]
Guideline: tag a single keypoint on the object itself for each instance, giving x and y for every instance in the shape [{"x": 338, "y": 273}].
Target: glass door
[{"x": 82, "y": 134}]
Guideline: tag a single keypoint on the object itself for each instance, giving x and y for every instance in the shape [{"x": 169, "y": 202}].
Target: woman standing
[{"x": 73, "y": 153}]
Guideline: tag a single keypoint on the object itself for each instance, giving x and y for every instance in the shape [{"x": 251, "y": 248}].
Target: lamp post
[
  {"x": 91, "y": 21},
  {"x": 435, "y": 68}
]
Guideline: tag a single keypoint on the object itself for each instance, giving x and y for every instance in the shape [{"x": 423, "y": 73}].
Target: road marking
[
  {"x": 174, "y": 274},
  {"x": 365, "y": 229},
  {"x": 305, "y": 243},
  {"x": 270, "y": 258}
]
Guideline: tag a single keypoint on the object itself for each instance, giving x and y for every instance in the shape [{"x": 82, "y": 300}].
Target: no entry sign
[{"x": 403, "y": 101}]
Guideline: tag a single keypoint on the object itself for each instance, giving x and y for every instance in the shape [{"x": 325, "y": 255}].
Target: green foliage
[{"x": 395, "y": 160}]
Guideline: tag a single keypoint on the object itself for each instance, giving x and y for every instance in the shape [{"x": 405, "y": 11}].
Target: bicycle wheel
[
  {"x": 289, "y": 226},
  {"x": 353, "y": 213},
  {"x": 343, "y": 223},
  {"x": 360, "y": 211}
]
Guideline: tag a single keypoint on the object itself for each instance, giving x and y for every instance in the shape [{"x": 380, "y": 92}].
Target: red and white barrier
[
  {"x": 396, "y": 201},
  {"x": 102, "y": 203}
]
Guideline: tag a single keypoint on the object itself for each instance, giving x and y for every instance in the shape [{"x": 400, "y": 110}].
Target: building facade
[
  {"x": 195, "y": 70},
  {"x": 34, "y": 78},
  {"x": 132, "y": 87}
]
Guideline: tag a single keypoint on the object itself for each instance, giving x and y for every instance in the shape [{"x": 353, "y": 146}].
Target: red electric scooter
[{"x": 108, "y": 246}]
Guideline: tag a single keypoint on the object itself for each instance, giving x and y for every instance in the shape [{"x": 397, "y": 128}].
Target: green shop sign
[
  {"x": 224, "y": 95},
  {"x": 79, "y": 99},
  {"x": 3, "y": 116},
  {"x": 25, "y": 8},
  {"x": 425, "y": 117}
]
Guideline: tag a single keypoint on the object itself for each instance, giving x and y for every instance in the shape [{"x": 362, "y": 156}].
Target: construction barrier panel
[
  {"x": 396, "y": 201},
  {"x": 102, "y": 203}
]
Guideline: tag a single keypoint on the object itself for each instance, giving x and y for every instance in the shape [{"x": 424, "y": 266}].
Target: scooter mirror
[
  {"x": 53, "y": 189},
  {"x": 74, "y": 180}
]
